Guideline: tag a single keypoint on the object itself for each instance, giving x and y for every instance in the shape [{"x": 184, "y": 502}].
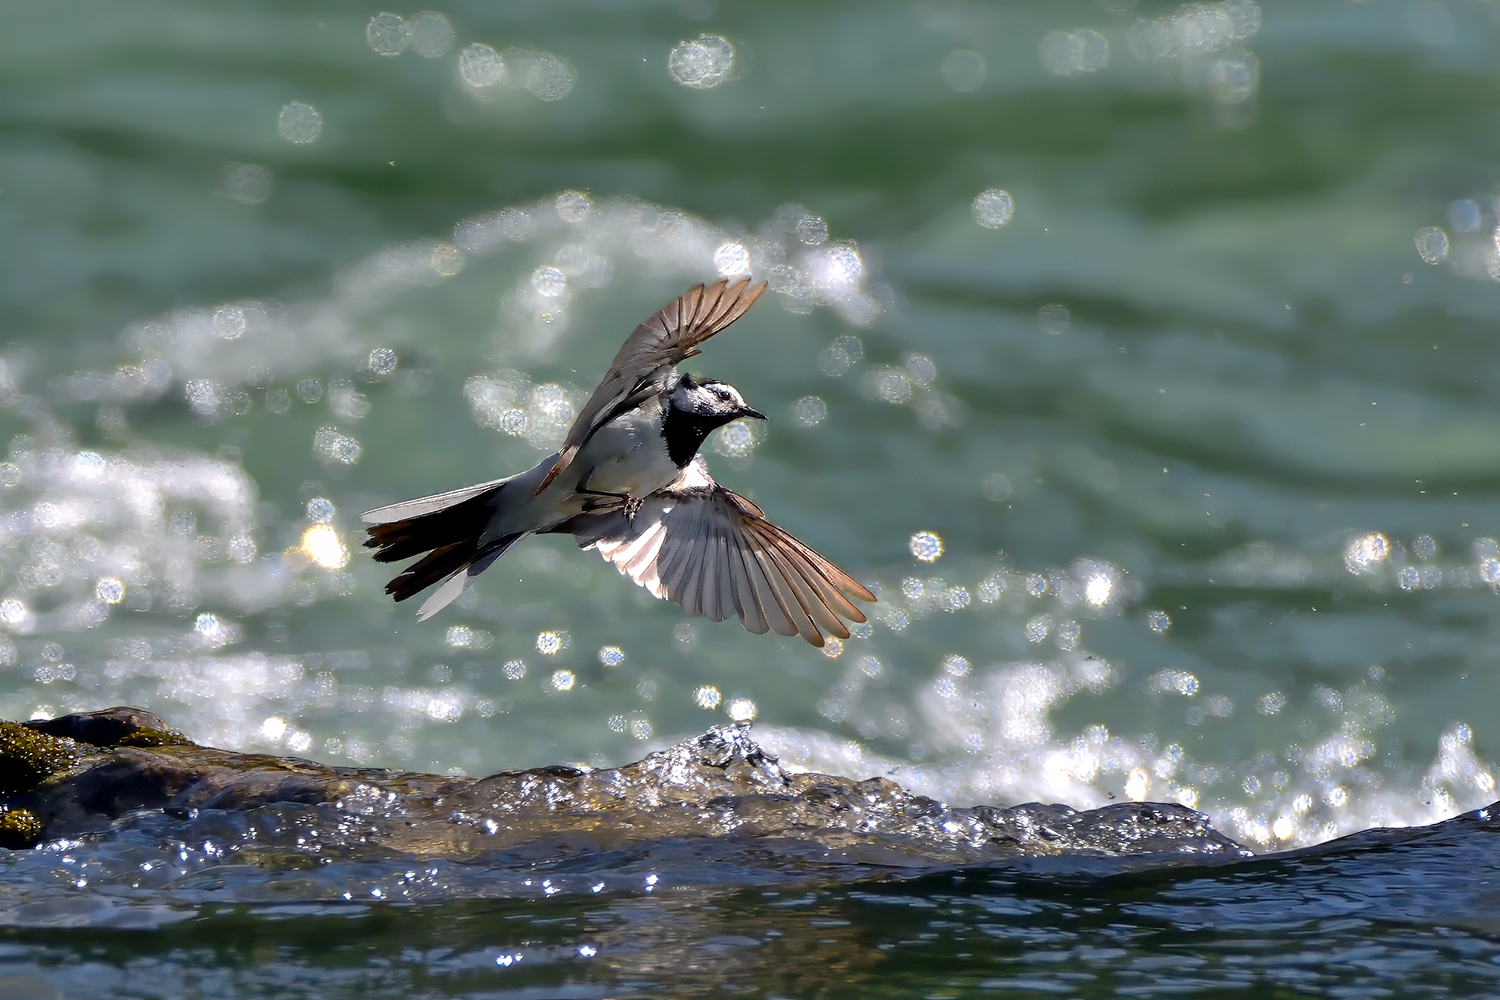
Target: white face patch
[{"x": 707, "y": 398}]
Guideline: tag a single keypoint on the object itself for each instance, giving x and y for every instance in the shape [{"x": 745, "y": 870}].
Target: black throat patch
[{"x": 684, "y": 432}]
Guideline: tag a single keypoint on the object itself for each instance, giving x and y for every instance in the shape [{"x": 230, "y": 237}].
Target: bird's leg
[{"x": 628, "y": 503}]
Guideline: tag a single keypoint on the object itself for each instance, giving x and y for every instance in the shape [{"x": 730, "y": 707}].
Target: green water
[{"x": 1209, "y": 443}]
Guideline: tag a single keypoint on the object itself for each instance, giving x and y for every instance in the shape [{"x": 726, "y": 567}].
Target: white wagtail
[{"x": 629, "y": 482}]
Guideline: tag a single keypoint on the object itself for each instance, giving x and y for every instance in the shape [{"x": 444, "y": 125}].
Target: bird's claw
[{"x": 629, "y": 505}]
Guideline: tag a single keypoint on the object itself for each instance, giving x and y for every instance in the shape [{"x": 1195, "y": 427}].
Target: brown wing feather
[
  {"x": 668, "y": 337},
  {"x": 713, "y": 552}
]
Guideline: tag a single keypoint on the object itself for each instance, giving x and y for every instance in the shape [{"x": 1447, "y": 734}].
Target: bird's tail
[{"x": 447, "y": 531}]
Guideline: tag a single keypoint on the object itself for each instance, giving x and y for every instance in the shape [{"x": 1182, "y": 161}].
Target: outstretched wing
[
  {"x": 713, "y": 552},
  {"x": 672, "y": 335}
]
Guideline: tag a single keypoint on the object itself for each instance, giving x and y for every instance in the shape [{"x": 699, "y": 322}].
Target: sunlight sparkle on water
[
  {"x": 332, "y": 446},
  {"x": 381, "y": 362},
  {"x": 1365, "y": 554},
  {"x": 735, "y": 440},
  {"x": 811, "y": 230},
  {"x": 549, "y": 78},
  {"x": 431, "y": 35},
  {"x": 319, "y": 510},
  {"x": 809, "y": 411},
  {"x": 321, "y": 544},
  {"x": 887, "y": 385},
  {"x": 843, "y": 354},
  {"x": 702, "y": 63},
  {"x": 993, "y": 208},
  {"x": 837, "y": 269},
  {"x": 481, "y": 66},
  {"x": 299, "y": 123},
  {"x": 1232, "y": 78},
  {"x": 1070, "y": 53},
  {"x": 955, "y": 665},
  {"x": 464, "y": 637},
  {"x": 573, "y": 206},
  {"x": 926, "y": 546},
  {"x": 732, "y": 259},
  {"x": 110, "y": 590},
  {"x": 1195, "y": 28},
  {"x": 387, "y": 34},
  {"x": 920, "y": 369},
  {"x": 706, "y": 696},
  {"x": 549, "y": 281},
  {"x": 1173, "y": 682},
  {"x": 1487, "y": 561},
  {"x": 611, "y": 656},
  {"x": 1432, "y": 244}
]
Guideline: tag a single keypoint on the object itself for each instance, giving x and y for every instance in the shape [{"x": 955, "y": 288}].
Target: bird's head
[{"x": 711, "y": 399}]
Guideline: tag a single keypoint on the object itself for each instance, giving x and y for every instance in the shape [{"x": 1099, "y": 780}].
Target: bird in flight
[{"x": 630, "y": 484}]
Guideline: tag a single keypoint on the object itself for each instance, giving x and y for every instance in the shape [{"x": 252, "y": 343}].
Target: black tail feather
[
  {"x": 451, "y": 537},
  {"x": 436, "y": 565}
]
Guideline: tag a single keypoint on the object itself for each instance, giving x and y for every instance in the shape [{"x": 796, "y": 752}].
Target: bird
[{"x": 629, "y": 483}]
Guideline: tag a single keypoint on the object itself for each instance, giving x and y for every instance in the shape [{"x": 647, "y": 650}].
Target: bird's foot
[
  {"x": 632, "y": 508},
  {"x": 627, "y": 503}
]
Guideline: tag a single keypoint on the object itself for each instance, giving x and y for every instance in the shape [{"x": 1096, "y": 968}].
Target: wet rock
[
  {"x": 19, "y": 828},
  {"x": 28, "y": 757},
  {"x": 104, "y": 772},
  {"x": 111, "y": 727}
]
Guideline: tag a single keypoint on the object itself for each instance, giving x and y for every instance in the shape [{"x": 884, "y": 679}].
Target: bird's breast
[{"x": 625, "y": 455}]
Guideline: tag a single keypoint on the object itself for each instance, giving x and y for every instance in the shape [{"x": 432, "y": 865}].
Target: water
[{"x": 1174, "y": 467}]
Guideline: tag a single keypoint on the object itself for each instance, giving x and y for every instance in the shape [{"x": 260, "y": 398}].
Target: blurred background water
[{"x": 1141, "y": 355}]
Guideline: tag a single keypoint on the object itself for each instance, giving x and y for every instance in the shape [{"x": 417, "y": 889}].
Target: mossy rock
[
  {"x": 152, "y": 738},
  {"x": 121, "y": 726},
  {"x": 19, "y": 829},
  {"x": 27, "y": 757}
]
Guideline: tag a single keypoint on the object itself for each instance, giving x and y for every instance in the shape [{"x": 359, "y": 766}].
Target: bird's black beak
[{"x": 750, "y": 411}]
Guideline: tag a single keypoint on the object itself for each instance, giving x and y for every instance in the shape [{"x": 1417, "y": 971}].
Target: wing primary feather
[
  {"x": 708, "y": 575},
  {"x": 745, "y": 600},
  {"x": 816, "y": 612},
  {"x": 785, "y": 622},
  {"x": 817, "y": 572},
  {"x": 724, "y": 588},
  {"x": 765, "y": 596},
  {"x": 724, "y": 603},
  {"x": 672, "y": 570},
  {"x": 737, "y": 302},
  {"x": 696, "y": 570},
  {"x": 736, "y": 582},
  {"x": 710, "y": 304},
  {"x": 846, "y": 584},
  {"x": 823, "y": 615}
]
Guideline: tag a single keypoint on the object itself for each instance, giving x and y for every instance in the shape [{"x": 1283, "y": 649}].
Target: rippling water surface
[{"x": 1141, "y": 356}]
